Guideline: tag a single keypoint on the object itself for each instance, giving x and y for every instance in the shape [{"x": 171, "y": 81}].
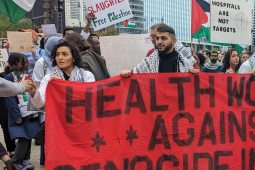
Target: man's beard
[
  {"x": 166, "y": 49},
  {"x": 213, "y": 60}
]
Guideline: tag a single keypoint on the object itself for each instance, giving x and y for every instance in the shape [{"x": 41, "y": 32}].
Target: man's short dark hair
[
  {"x": 157, "y": 26},
  {"x": 249, "y": 53},
  {"x": 214, "y": 52},
  {"x": 207, "y": 52},
  {"x": 168, "y": 29},
  {"x": 93, "y": 35},
  {"x": 66, "y": 29}
]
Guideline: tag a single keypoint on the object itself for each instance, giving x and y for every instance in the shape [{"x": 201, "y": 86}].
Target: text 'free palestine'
[{"x": 112, "y": 17}]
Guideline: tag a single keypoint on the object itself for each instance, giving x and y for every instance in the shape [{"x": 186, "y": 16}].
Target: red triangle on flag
[
  {"x": 198, "y": 16},
  {"x": 125, "y": 22}
]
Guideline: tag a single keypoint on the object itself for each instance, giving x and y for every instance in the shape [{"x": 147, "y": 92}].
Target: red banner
[{"x": 152, "y": 122}]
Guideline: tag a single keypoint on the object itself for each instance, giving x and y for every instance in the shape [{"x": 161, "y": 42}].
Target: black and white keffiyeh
[
  {"x": 213, "y": 66},
  {"x": 151, "y": 63},
  {"x": 78, "y": 74},
  {"x": 185, "y": 52}
]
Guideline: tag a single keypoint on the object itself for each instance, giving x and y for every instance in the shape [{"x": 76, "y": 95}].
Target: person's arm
[
  {"x": 195, "y": 66},
  {"x": 85, "y": 32},
  {"x": 39, "y": 98},
  {"x": 8, "y": 88}
]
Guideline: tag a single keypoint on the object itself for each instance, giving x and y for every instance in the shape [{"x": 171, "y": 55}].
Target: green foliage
[
  {"x": 108, "y": 31},
  {"x": 6, "y": 25}
]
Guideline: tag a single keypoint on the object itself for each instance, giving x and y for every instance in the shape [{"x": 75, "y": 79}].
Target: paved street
[{"x": 35, "y": 156}]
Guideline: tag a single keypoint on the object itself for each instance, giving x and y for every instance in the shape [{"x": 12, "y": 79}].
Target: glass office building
[
  {"x": 175, "y": 13},
  {"x": 137, "y": 7}
]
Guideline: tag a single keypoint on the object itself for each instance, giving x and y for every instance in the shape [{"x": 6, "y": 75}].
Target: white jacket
[{"x": 39, "y": 98}]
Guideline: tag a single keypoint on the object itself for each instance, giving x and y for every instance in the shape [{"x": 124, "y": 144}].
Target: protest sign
[
  {"x": 49, "y": 30},
  {"x": 3, "y": 59},
  {"x": 124, "y": 51},
  {"x": 231, "y": 22},
  {"x": 152, "y": 121},
  {"x": 20, "y": 42},
  {"x": 108, "y": 12}
]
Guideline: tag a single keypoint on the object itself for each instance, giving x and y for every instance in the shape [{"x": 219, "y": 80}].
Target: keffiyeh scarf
[
  {"x": 151, "y": 63},
  {"x": 78, "y": 74},
  {"x": 213, "y": 66},
  {"x": 184, "y": 51}
]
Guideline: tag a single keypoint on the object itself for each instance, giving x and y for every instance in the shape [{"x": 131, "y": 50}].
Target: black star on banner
[
  {"x": 131, "y": 135},
  {"x": 98, "y": 141}
]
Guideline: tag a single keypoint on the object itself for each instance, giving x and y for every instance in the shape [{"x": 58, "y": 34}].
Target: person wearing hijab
[{"x": 44, "y": 65}]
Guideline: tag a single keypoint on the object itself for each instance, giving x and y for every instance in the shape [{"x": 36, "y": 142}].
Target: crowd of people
[{"x": 77, "y": 57}]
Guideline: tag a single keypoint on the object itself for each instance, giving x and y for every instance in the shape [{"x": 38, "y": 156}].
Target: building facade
[
  {"x": 75, "y": 15},
  {"x": 175, "y": 13},
  {"x": 137, "y": 7}
]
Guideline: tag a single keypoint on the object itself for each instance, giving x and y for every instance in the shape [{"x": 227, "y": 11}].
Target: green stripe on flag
[
  {"x": 130, "y": 26},
  {"x": 12, "y": 10},
  {"x": 205, "y": 32}
]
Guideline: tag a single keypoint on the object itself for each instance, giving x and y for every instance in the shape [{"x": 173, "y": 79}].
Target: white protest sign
[
  {"x": 124, "y": 51},
  {"x": 20, "y": 42},
  {"x": 108, "y": 12},
  {"x": 49, "y": 30},
  {"x": 231, "y": 22},
  {"x": 3, "y": 59}
]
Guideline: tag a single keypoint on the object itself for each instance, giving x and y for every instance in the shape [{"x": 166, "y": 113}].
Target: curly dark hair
[
  {"x": 226, "y": 61},
  {"x": 78, "y": 41},
  {"x": 14, "y": 59},
  {"x": 74, "y": 52}
]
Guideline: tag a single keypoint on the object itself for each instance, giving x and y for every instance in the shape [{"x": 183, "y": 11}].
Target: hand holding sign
[
  {"x": 6, "y": 45},
  {"x": 108, "y": 13}
]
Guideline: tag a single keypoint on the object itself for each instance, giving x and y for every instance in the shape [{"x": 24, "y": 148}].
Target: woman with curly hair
[
  {"x": 234, "y": 60},
  {"x": 67, "y": 66}
]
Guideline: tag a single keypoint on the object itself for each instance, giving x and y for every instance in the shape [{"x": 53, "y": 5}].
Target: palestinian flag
[
  {"x": 16, "y": 9},
  {"x": 200, "y": 23},
  {"x": 129, "y": 24}
]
